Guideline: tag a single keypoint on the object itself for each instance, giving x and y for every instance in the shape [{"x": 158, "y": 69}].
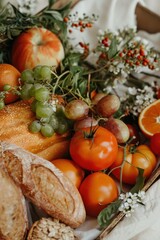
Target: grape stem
[{"x": 58, "y": 79}]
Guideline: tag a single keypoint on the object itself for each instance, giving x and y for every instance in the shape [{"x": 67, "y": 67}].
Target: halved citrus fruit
[{"x": 149, "y": 119}]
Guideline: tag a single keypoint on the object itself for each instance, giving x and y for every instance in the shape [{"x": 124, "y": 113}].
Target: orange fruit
[
  {"x": 149, "y": 119},
  {"x": 70, "y": 170},
  {"x": 9, "y": 75}
]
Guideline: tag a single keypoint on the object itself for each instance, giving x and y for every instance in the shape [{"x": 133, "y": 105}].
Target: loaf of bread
[
  {"x": 49, "y": 228},
  {"x": 43, "y": 184},
  {"x": 13, "y": 213},
  {"x": 15, "y": 119}
]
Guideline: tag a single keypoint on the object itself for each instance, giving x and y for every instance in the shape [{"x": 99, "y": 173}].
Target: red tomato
[
  {"x": 133, "y": 132},
  {"x": 71, "y": 170},
  {"x": 9, "y": 75},
  {"x": 36, "y": 46},
  {"x": 97, "y": 191},
  {"x": 140, "y": 156},
  {"x": 155, "y": 143},
  {"x": 94, "y": 152}
]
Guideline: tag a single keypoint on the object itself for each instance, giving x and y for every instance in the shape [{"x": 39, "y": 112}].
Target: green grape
[
  {"x": 34, "y": 88},
  {"x": 42, "y": 94},
  {"x": 62, "y": 126},
  {"x": 54, "y": 122},
  {"x": 27, "y": 76},
  {"x": 45, "y": 120},
  {"x": 42, "y": 73},
  {"x": 45, "y": 73},
  {"x": 43, "y": 110},
  {"x": 2, "y": 104},
  {"x": 37, "y": 73},
  {"x": 35, "y": 126},
  {"x": 25, "y": 91},
  {"x": 60, "y": 111},
  {"x": 47, "y": 130},
  {"x": 7, "y": 87}
]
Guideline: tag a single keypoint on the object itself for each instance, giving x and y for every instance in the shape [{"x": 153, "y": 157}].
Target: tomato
[
  {"x": 140, "y": 156},
  {"x": 155, "y": 143},
  {"x": 93, "y": 151},
  {"x": 71, "y": 170},
  {"x": 97, "y": 191},
  {"x": 133, "y": 132},
  {"x": 9, "y": 75}
]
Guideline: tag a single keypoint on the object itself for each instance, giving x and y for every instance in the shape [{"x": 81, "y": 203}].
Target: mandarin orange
[
  {"x": 149, "y": 119},
  {"x": 9, "y": 75}
]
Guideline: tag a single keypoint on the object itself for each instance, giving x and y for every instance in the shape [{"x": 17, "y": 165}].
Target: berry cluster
[
  {"x": 126, "y": 54},
  {"x": 74, "y": 22}
]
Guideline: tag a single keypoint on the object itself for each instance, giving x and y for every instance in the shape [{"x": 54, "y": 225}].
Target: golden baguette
[
  {"x": 43, "y": 184},
  {"x": 13, "y": 213},
  {"x": 15, "y": 119}
]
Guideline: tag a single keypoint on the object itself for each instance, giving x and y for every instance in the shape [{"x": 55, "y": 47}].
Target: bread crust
[
  {"x": 15, "y": 119},
  {"x": 43, "y": 184},
  {"x": 13, "y": 212}
]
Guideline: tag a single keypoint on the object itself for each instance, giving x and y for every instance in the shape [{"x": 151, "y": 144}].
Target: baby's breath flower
[
  {"x": 130, "y": 202},
  {"x": 141, "y": 98}
]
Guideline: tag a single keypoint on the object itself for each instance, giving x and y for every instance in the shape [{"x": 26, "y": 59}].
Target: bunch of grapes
[
  {"x": 50, "y": 117},
  {"x": 76, "y": 113}
]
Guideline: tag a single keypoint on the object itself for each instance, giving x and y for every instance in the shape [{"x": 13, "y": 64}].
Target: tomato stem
[
  {"x": 132, "y": 148},
  {"x": 91, "y": 133}
]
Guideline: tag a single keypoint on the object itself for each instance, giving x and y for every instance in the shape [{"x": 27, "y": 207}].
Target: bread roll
[
  {"x": 49, "y": 228},
  {"x": 44, "y": 184},
  {"x": 15, "y": 119},
  {"x": 13, "y": 214}
]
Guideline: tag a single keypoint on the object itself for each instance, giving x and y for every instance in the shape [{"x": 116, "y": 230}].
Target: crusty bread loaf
[
  {"x": 15, "y": 119},
  {"x": 49, "y": 228},
  {"x": 43, "y": 184},
  {"x": 13, "y": 214}
]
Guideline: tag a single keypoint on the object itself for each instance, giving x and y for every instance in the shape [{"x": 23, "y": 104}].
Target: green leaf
[
  {"x": 17, "y": 13},
  {"x": 108, "y": 213},
  {"x": 112, "y": 48},
  {"x": 54, "y": 14},
  {"x": 139, "y": 181}
]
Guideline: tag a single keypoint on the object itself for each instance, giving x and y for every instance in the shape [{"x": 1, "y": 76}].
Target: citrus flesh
[{"x": 149, "y": 119}]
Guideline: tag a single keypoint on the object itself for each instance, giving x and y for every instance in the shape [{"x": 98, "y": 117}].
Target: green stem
[
  {"x": 58, "y": 79},
  {"x": 122, "y": 165},
  {"x": 151, "y": 75}
]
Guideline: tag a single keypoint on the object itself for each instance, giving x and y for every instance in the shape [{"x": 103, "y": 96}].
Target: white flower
[
  {"x": 130, "y": 202},
  {"x": 142, "y": 98},
  {"x": 132, "y": 90}
]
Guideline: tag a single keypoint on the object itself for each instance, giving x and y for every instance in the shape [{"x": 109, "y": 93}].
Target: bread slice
[
  {"x": 13, "y": 214},
  {"x": 43, "y": 184}
]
